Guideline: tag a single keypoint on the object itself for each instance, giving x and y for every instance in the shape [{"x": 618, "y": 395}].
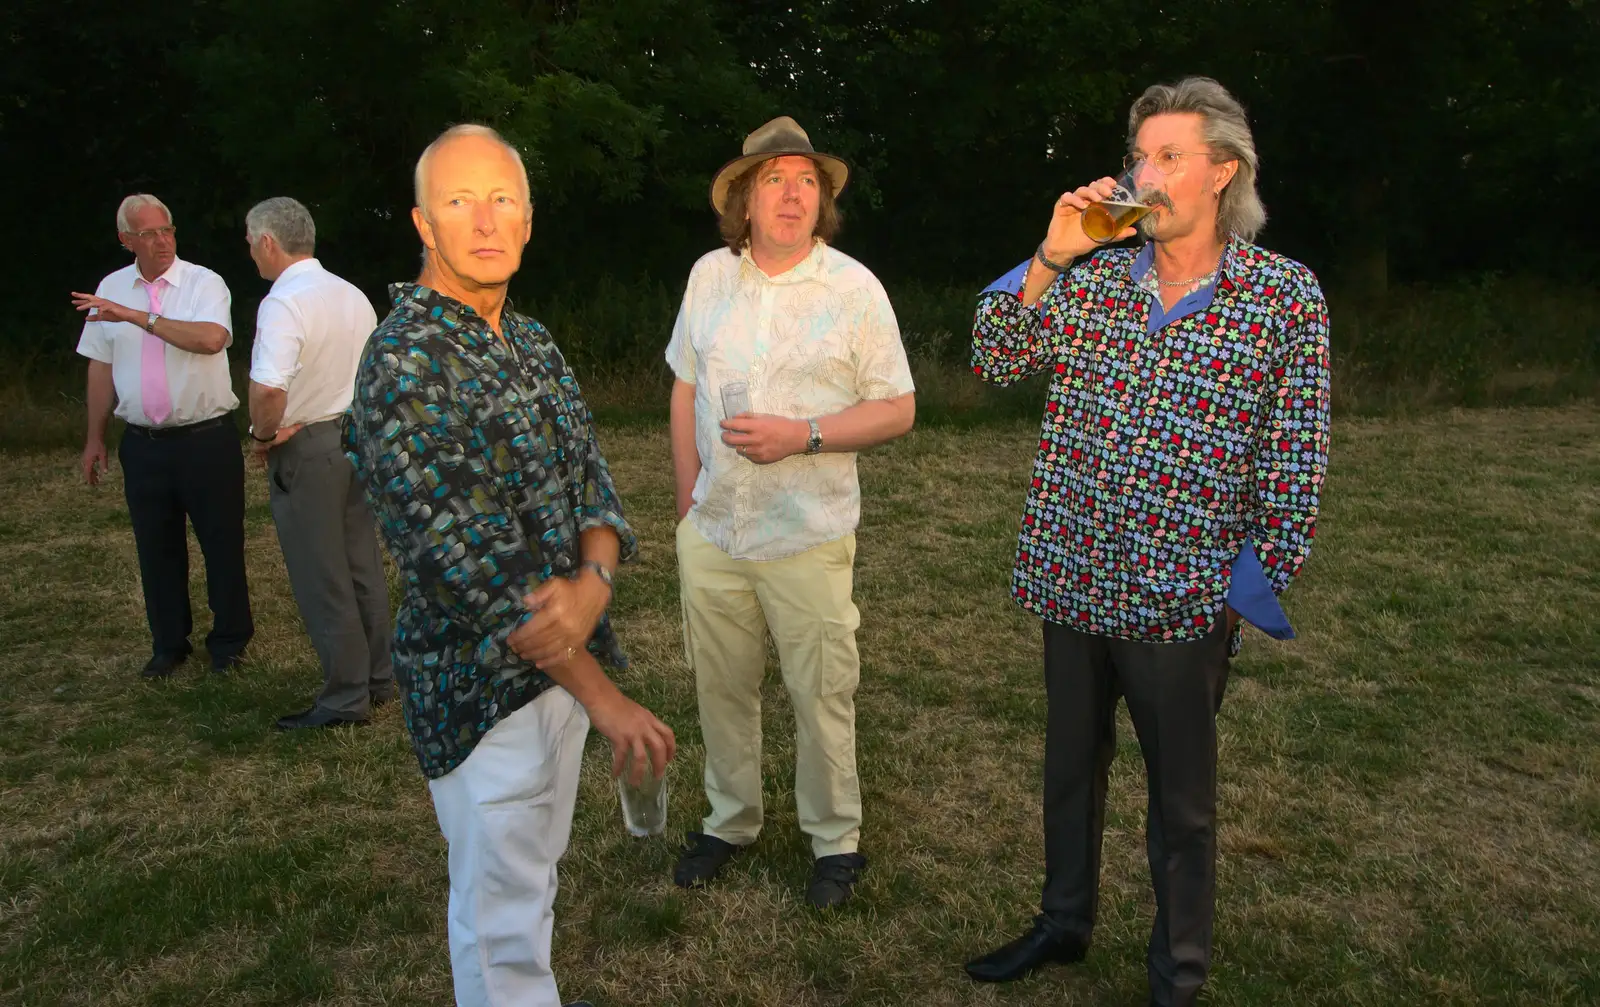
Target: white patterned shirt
[{"x": 808, "y": 342}]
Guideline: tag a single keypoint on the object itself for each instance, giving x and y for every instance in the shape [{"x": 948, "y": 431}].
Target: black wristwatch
[{"x": 261, "y": 440}]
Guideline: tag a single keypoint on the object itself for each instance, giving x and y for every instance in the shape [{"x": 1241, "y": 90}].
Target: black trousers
[
  {"x": 1173, "y": 692},
  {"x": 198, "y": 475}
]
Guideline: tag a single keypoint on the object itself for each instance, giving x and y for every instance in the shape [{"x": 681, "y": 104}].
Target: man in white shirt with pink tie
[{"x": 156, "y": 337}]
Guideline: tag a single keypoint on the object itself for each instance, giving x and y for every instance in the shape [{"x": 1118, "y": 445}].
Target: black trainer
[
  {"x": 702, "y": 858},
  {"x": 162, "y": 665},
  {"x": 833, "y": 878}
]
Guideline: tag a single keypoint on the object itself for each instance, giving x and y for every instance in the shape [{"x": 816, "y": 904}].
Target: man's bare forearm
[
  {"x": 586, "y": 680},
  {"x": 868, "y": 423},
  {"x": 266, "y": 409},
  {"x": 196, "y": 337},
  {"x": 1038, "y": 281},
  {"x": 685, "y": 455},
  {"x": 101, "y": 395}
]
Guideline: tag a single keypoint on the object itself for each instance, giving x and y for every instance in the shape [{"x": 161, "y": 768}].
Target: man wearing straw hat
[{"x": 787, "y": 361}]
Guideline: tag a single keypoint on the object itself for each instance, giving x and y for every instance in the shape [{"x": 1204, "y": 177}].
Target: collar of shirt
[
  {"x": 295, "y": 269},
  {"x": 471, "y": 330},
  {"x": 427, "y": 297},
  {"x": 174, "y": 275},
  {"x": 1144, "y": 277},
  {"x": 808, "y": 268},
  {"x": 443, "y": 307}
]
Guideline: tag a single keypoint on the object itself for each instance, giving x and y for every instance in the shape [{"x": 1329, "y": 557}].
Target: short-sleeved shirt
[
  {"x": 811, "y": 341},
  {"x": 200, "y": 384},
  {"x": 310, "y": 331}
]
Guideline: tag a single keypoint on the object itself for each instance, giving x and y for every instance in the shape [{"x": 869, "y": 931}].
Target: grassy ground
[{"x": 1410, "y": 792}]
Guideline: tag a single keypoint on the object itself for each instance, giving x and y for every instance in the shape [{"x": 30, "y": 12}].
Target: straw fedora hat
[{"x": 778, "y": 138}]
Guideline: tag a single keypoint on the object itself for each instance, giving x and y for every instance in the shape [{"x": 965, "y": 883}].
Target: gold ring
[{"x": 571, "y": 651}]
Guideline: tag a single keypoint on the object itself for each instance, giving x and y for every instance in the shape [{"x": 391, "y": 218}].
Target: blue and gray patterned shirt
[{"x": 480, "y": 459}]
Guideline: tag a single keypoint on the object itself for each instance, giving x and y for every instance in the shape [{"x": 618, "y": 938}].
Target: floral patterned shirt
[
  {"x": 813, "y": 340},
  {"x": 480, "y": 460},
  {"x": 1169, "y": 443}
]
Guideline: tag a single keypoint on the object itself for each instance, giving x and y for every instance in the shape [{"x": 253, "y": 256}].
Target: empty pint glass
[
  {"x": 735, "y": 398},
  {"x": 1129, "y": 204},
  {"x": 644, "y": 808}
]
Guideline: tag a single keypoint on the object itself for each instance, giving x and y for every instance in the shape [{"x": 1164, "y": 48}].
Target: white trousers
[{"x": 507, "y": 814}]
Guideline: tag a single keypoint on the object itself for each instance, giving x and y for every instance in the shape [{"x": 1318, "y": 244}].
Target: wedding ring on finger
[{"x": 570, "y": 652}]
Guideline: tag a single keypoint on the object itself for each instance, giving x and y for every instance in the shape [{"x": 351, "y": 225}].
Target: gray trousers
[{"x": 330, "y": 547}]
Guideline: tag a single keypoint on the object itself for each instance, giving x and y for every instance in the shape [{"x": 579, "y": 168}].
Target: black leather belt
[{"x": 162, "y": 433}]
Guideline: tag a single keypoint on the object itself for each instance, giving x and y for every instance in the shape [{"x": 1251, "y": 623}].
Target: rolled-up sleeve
[
  {"x": 275, "y": 359},
  {"x": 1292, "y": 447},
  {"x": 598, "y": 505}
]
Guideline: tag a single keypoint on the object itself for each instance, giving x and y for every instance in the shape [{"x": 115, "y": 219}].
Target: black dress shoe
[
  {"x": 316, "y": 717},
  {"x": 224, "y": 665},
  {"x": 833, "y": 878},
  {"x": 1042, "y": 945},
  {"x": 381, "y": 699},
  {"x": 162, "y": 665},
  {"x": 702, "y": 858}
]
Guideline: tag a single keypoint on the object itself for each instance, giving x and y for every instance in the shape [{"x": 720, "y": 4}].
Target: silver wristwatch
[
  {"x": 150, "y": 323},
  {"x": 814, "y": 442},
  {"x": 599, "y": 568}
]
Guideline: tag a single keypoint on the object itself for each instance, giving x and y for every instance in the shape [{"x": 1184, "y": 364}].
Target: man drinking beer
[{"x": 1183, "y": 449}]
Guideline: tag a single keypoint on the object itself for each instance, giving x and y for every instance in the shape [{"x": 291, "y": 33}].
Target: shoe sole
[{"x": 315, "y": 727}]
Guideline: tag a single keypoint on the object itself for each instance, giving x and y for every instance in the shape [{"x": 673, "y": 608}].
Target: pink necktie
[{"x": 153, "y": 392}]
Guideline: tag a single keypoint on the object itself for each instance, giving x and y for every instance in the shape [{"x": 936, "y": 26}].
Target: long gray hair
[{"x": 1226, "y": 131}]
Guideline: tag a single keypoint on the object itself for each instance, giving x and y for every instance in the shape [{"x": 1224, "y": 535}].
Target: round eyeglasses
[{"x": 1165, "y": 160}]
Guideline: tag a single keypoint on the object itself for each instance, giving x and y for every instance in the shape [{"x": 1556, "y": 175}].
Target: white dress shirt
[
  {"x": 200, "y": 383},
  {"x": 310, "y": 331},
  {"x": 808, "y": 342}
]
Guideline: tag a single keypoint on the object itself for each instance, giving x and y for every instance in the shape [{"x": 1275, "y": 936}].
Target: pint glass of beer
[{"x": 1104, "y": 220}]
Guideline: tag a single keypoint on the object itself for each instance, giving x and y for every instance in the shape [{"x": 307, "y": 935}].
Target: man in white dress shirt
[
  {"x": 310, "y": 331},
  {"x": 788, "y": 361},
  {"x": 155, "y": 337}
]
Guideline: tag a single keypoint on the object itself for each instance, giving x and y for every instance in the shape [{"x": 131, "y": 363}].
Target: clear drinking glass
[
  {"x": 735, "y": 398},
  {"x": 644, "y": 808},
  {"x": 1104, "y": 220}
]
